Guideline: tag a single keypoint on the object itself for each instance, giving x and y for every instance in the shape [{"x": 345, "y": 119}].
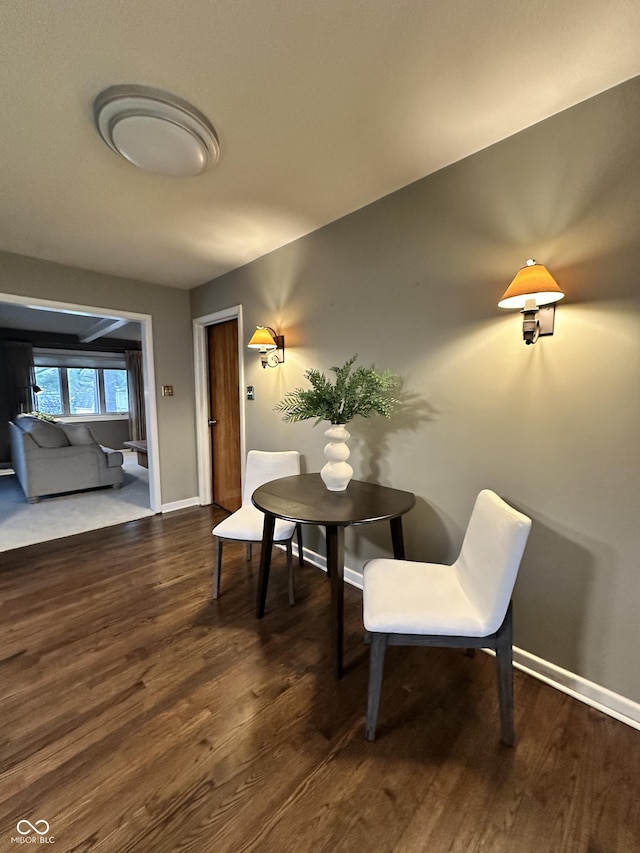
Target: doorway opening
[{"x": 146, "y": 341}]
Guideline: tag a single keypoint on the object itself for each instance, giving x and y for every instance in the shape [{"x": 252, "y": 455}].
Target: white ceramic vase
[{"x": 337, "y": 472}]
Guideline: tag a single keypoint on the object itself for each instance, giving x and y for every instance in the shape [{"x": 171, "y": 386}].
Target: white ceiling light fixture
[{"x": 156, "y": 131}]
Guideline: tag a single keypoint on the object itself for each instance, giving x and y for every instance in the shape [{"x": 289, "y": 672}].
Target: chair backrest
[
  {"x": 490, "y": 557},
  {"x": 265, "y": 465}
]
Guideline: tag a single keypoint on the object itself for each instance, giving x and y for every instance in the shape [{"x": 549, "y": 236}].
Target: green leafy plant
[
  {"x": 43, "y": 416},
  {"x": 361, "y": 391}
]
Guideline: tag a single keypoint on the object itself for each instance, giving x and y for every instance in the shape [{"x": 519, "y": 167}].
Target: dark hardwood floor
[{"x": 138, "y": 715}]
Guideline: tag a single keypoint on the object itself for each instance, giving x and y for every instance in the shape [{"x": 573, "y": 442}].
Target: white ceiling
[
  {"x": 87, "y": 328},
  {"x": 320, "y": 107}
]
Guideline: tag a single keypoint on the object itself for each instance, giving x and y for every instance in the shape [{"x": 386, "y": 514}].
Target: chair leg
[
  {"x": 504, "y": 665},
  {"x": 376, "y": 666},
  {"x": 292, "y": 588},
  {"x": 299, "y": 537},
  {"x": 217, "y": 566}
]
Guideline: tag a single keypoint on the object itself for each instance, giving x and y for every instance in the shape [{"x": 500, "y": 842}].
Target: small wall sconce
[
  {"x": 533, "y": 290},
  {"x": 270, "y": 346}
]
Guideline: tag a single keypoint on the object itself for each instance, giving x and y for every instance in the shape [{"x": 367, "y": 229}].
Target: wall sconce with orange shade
[
  {"x": 269, "y": 345},
  {"x": 534, "y": 290}
]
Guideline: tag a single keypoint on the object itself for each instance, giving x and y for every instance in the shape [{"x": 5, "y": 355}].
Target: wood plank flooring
[{"x": 138, "y": 715}]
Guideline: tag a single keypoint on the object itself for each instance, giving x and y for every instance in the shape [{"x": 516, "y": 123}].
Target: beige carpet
[{"x": 22, "y": 523}]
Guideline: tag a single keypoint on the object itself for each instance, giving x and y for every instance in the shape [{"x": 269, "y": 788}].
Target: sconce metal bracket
[
  {"x": 546, "y": 319},
  {"x": 276, "y": 356},
  {"x": 537, "y": 321}
]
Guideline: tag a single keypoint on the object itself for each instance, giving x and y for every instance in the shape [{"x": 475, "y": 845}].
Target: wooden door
[{"x": 224, "y": 415}]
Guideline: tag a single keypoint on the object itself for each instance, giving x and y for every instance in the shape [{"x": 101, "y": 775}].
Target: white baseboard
[
  {"x": 350, "y": 575},
  {"x": 601, "y": 698},
  {"x": 184, "y": 504}
]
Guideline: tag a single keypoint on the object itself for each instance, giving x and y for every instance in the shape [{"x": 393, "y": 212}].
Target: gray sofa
[{"x": 51, "y": 458}]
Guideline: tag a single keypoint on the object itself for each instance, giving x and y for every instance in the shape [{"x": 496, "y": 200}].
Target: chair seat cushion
[
  {"x": 403, "y": 597},
  {"x": 246, "y": 524}
]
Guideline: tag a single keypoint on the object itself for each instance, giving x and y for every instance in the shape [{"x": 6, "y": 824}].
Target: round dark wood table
[{"x": 304, "y": 499}]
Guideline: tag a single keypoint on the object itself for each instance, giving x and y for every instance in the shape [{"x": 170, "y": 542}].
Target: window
[
  {"x": 79, "y": 385},
  {"x": 82, "y": 383},
  {"x": 116, "y": 390},
  {"x": 49, "y": 400}
]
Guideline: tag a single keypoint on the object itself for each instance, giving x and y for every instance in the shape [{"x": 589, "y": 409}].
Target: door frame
[
  {"x": 148, "y": 372},
  {"x": 201, "y": 369}
]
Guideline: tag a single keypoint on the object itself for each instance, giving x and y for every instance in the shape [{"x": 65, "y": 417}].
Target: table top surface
[
  {"x": 305, "y": 498},
  {"x": 136, "y": 445}
]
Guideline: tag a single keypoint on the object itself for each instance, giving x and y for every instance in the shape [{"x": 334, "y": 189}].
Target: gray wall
[
  {"x": 111, "y": 433},
  {"x": 169, "y": 308},
  {"x": 411, "y": 283}
]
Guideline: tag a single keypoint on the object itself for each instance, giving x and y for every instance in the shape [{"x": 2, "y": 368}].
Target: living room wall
[
  {"x": 169, "y": 309},
  {"x": 411, "y": 283}
]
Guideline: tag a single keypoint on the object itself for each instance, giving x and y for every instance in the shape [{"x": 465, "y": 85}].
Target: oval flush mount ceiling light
[{"x": 155, "y": 130}]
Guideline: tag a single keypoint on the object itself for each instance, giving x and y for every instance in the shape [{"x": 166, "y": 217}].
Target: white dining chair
[
  {"x": 246, "y": 523},
  {"x": 466, "y": 604}
]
